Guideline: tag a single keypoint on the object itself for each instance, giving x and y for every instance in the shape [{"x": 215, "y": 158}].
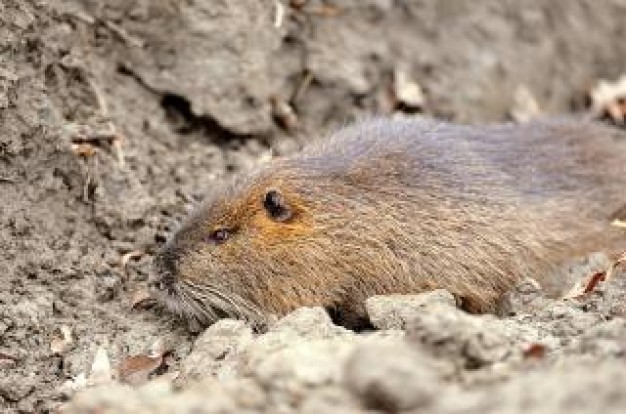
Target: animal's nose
[
  {"x": 161, "y": 282},
  {"x": 157, "y": 283},
  {"x": 166, "y": 261},
  {"x": 165, "y": 270}
]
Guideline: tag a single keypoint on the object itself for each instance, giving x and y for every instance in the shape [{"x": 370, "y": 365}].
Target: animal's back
[
  {"x": 554, "y": 155},
  {"x": 472, "y": 208}
]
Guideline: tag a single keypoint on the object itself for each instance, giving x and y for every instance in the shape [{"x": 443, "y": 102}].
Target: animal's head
[{"x": 265, "y": 244}]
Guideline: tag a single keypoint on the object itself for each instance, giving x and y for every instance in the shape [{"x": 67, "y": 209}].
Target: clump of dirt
[
  {"x": 116, "y": 116},
  {"x": 442, "y": 361}
]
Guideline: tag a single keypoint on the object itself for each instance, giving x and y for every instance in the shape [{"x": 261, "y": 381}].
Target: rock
[
  {"x": 301, "y": 352},
  {"x": 309, "y": 323},
  {"x": 395, "y": 311},
  {"x": 247, "y": 393},
  {"x": 471, "y": 341},
  {"x": 216, "y": 350},
  {"x": 107, "y": 287},
  {"x": 159, "y": 399},
  {"x": 331, "y": 400},
  {"x": 559, "y": 390},
  {"x": 14, "y": 388},
  {"x": 306, "y": 326},
  {"x": 213, "y": 395},
  {"x": 391, "y": 377},
  {"x": 567, "y": 389},
  {"x": 524, "y": 298},
  {"x": 106, "y": 399},
  {"x": 606, "y": 339},
  {"x": 566, "y": 320},
  {"x": 293, "y": 372}
]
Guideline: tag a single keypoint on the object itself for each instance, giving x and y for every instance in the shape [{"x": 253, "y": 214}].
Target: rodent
[{"x": 397, "y": 206}]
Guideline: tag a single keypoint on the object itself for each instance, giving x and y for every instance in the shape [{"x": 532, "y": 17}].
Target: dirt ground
[{"x": 116, "y": 116}]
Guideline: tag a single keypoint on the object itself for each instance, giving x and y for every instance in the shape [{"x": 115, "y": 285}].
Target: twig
[
  {"x": 304, "y": 84},
  {"x": 123, "y": 34},
  {"x": 135, "y": 254},
  {"x": 113, "y": 27},
  {"x": 616, "y": 264},
  {"x": 112, "y": 134},
  {"x": 279, "y": 14}
]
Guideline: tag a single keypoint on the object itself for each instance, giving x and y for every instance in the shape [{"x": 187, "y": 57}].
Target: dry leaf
[
  {"x": 61, "y": 345},
  {"x": 535, "y": 350},
  {"x": 284, "y": 114},
  {"x": 618, "y": 219},
  {"x": 118, "y": 150},
  {"x": 303, "y": 86},
  {"x": 620, "y": 262},
  {"x": 408, "y": 93},
  {"x": 86, "y": 140},
  {"x": 84, "y": 150},
  {"x": 7, "y": 360},
  {"x": 593, "y": 281},
  {"x": 296, "y": 4},
  {"x": 589, "y": 284},
  {"x": 101, "y": 368},
  {"x": 525, "y": 106},
  {"x": 585, "y": 286},
  {"x": 141, "y": 298},
  {"x": 325, "y": 10},
  {"x": 135, "y": 254},
  {"x": 609, "y": 99},
  {"x": 125, "y": 258},
  {"x": 135, "y": 370}
]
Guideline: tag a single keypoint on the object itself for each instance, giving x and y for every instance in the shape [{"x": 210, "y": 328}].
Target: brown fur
[{"x": 400, "y": 207}]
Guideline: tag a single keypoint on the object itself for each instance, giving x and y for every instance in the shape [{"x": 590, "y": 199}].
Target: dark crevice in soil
[
  {"x": 348, "y": 320},
  {"x": 179, "y": 115}
]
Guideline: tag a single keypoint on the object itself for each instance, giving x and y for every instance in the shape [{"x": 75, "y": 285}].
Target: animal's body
[{"x": 398, "y": 206}]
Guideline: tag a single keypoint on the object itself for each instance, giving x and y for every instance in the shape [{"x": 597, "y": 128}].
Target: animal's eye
[
  {"x": 276, "y": 206},
  {"x": 219, "y": 236}
]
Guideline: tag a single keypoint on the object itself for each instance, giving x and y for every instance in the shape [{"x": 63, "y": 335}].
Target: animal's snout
[
  {"x": 161, "y": 283},
  {"x": 165, "y": 270}
]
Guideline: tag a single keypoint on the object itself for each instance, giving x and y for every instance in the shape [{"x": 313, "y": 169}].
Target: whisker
[
  {"x": 197, "y": 309},
  {"x": 206, "y": 304}
]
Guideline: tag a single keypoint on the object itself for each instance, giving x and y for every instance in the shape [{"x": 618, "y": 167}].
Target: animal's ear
[{"x": 276, "y": 206}]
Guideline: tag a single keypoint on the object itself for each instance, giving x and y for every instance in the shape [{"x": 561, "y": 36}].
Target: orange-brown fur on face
[{"x": 400, "y": 207}]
